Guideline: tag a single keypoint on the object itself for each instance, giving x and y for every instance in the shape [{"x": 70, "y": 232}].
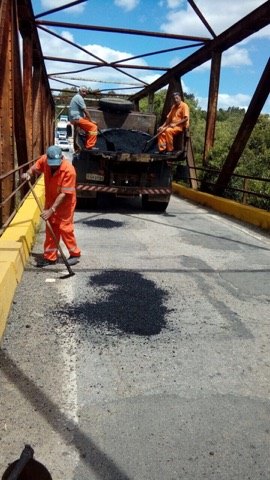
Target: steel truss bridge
[{"x": 27, "y": 101}]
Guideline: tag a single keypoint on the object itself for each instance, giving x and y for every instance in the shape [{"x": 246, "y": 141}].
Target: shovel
[
  {"x": 70, "y": 271},
  {"x": 145, "y": 148}
]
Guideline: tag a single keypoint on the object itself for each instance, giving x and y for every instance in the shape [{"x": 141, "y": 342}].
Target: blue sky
[{"x": 242, "y": 65}]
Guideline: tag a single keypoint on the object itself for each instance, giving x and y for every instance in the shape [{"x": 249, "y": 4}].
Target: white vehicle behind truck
[{"x": 63, "y": 128}]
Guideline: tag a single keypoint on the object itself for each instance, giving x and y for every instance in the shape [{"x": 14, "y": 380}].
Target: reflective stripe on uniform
[
  {"x": 68, "y": 189},
  {"x": 92, "y": 133}
]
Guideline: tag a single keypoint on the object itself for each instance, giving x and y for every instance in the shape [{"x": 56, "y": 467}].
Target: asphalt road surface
[{"x": 152, "y": 362}]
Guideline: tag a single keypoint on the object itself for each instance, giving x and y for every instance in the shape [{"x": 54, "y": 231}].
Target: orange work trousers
[
  {"x": 90, "y": 129},
  {"x": 165, "y": 139},
  {"x": 64, "y": 230}
]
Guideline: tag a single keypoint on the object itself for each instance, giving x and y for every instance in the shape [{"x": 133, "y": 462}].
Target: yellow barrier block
[
  {"x": 8, "y": 284},
  {"x": 24, "y": 225},
  {"x": 254, "y": 216},
  {"x": 13, "y": 253},
  {"x": 15, "y": 247}
]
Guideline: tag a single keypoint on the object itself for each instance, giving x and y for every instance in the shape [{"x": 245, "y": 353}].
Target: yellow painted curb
[
  {"x": 13, "y": 253},
  {"x": 15, "y": 247},
  {"x": 252, "y": 215},
  {"x": 8, "y": 284}
]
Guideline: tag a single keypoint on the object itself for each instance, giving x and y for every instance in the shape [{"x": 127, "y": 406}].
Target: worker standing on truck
[
  {"x": 79, "y": 117},
  {"x": 60, "y": 202},
  {"x": 177, "y": 120}
]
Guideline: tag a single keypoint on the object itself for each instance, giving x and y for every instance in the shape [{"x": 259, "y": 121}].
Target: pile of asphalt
[{"x": 128, "y": 141}]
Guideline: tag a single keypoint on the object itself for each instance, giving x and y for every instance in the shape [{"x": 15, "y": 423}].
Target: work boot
[
  {"x": 73, "y": 260},
  {"x": 44, "y": 262}
]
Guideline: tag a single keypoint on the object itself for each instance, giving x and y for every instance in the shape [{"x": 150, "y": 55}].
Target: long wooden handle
[
  {"x": 158, "y": 133},
  {"x": 155, "y": 136},
  {"x": 51, "y": 230}
]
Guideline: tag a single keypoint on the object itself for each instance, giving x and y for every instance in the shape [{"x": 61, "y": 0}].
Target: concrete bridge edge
[
  {"x": 15, "y": 247},
  {"x": 251, "y": 215}
]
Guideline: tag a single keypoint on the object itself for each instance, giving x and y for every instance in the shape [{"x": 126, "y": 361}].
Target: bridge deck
[{"x": 152, "y": 362}]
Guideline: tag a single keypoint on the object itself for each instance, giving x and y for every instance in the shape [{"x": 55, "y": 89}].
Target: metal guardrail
[
  {"x": 21, "y": 189},
  {"x": 208, "y": 185},
  {"x": 11, "y": 204}
]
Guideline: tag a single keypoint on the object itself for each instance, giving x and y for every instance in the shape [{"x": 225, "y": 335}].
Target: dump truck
[{"x": 125, "y": 161}]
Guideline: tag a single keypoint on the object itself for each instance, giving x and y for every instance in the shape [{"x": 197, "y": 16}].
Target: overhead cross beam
[
  {"x": 127, "y": 31},
  {"x": 249, "y": 25},
  {"x": 103, "y": 62},
  {"x": 202, "y": 18},
  {"x": 58, "y": 9}
]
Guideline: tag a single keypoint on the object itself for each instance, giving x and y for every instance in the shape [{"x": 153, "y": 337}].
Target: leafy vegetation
[{"x": 254, "y": 162}]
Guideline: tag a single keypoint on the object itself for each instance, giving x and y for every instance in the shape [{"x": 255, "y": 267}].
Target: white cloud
[
  {"x": 235, "y": 57},
  {"x": 185, "y": 88},
  {"x": 94, "y": 77},
  {"x": 239, "y": 100},
  {"x": 186, "y": 20},
  {"x": 174, "y": 3},
  {"x": 127, "y": 5},
  {"x": 51, "y": 4},
  {"x": 225, "y": 101},
  {"x": 174, "y": 61},
  {"x": 267, "y": 106},
  {"x": 68, "y": 36},
  {"x": 107, "y": 54}
]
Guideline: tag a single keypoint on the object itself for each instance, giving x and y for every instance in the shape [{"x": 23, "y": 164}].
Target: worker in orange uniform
[
  {"x": 60, "y": 202},
  {"x": 177, "y": 120},
  {"x": 79, "y": 117}
]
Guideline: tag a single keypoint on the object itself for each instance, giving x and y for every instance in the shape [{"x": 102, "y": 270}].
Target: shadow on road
[{"x": 90, "y": 454}]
